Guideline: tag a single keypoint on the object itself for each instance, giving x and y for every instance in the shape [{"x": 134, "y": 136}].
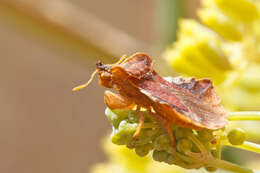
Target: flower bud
[
  {"x": 205, "y": 135},
  {"x": 162, "y": 142},
  {"x": 236, "y": 136},
  {"x": 184, "y": 145},
  {"x": 160, "y": 156},
  {"x": 211, "y": 169}
]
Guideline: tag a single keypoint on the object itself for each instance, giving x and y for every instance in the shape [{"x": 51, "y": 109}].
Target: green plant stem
[
  {"x": 228, "y": 166},
  {"x": 201, "y": 147},
  {"x": 185, "y": 158},
  {"x": 246, "y": 115},
  {"x": 250, "y": 146}
]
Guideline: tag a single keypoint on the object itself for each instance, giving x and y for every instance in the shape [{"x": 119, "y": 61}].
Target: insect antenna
[
  {"x": 121, "y": 59},
  {"x": 95, "y": 72},
  {"x": 87, "y": 83}
]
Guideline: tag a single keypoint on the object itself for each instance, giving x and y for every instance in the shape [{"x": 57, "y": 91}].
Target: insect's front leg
[{"x": 116, "y": 101}]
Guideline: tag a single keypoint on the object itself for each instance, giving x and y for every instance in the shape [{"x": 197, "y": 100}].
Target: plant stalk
[
  {"x": 246, "y": 115},
  {"x": 218, "y": 163},
  {"x": 249, "y": 146}
]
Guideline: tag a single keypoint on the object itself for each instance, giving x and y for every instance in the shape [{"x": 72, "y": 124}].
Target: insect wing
[
  {"x": 195, "y": 101},
  {"x": 137, "y": 65},
  {"x": 202, "y": 101}
]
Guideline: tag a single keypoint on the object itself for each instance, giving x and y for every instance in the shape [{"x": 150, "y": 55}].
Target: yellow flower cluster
[{"x": 225, "y": 49}]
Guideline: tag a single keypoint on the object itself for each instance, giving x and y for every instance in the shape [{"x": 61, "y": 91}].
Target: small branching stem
[
  {"x": 209, "y": 160},
  {"x": 201, "y": 147},
  {"x": 218, "y": 163},
  {"x": 245, "y": 115},
  {"x": 249, "y": 146}
]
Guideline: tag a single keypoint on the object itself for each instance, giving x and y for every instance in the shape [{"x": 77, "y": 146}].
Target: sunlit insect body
[{"x": 187, "y": 103}]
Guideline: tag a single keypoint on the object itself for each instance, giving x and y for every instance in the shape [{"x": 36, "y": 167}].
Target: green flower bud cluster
[
  {"x": 124, "y": 124},
  {"x": 193, "y": 148}
]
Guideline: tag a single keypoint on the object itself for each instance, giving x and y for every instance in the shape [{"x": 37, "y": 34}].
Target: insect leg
[
  {"x": 116, "y": 101},
  {"x": 156, "y": 116},
  {"x": 141, "y": 123},
  {"x": 169, "y": 129}
]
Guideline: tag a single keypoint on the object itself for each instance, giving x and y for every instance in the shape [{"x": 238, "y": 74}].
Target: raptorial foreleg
[{"x": 116, "y": 101}]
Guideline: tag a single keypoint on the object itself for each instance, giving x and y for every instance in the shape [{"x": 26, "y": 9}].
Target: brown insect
[{"x": 187, "y": 103}]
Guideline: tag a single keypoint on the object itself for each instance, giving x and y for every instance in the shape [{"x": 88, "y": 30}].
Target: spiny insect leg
[
  {"x": 161, "y": 119},
  {"x": 156, "y": 116},
  {"x": 140, "y": 126},
  {"x": 169, "y": 129}
]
